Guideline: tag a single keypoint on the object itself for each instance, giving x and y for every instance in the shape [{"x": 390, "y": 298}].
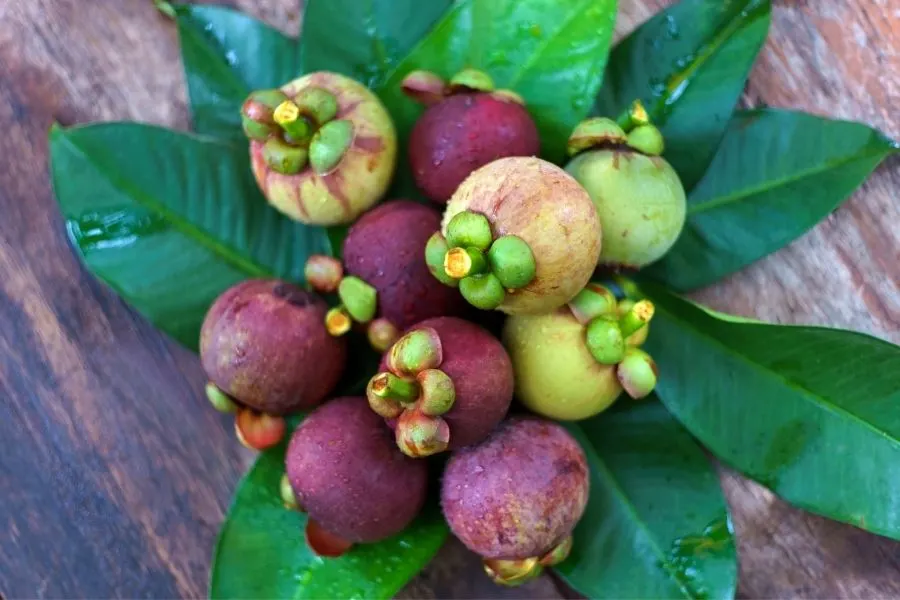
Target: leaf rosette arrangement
[{"x": 429, "y": 256}]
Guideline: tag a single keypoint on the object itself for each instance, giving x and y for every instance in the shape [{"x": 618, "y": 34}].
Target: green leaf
[
  {"x": 811, "y": 413},
  {"x": 364, "y": 39},
  {"x": 261, "y": 552},
  {"x": 552, "y": 53},
  {"x": 171, "y": 220},
  {"x": 776, "y": 174},
  {"x": 226, "y": 55},
  {"x": 688, "y": 64},
  {"x": 656, "y": 524}
]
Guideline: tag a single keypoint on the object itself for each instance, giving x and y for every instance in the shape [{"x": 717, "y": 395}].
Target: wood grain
[{"x": 115, "y": 475}]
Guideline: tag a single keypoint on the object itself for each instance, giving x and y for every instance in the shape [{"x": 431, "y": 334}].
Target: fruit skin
[
  {"x": 556, "y": 376},
  {"x": 464, "y": 132},
  {"x": 263, "y": 342},
  {"x": 361, "y": 177},
  {"x": 386, "y": 248},
  {"x": 482, "y": 376},
  {"x": 517, "y": 494},
  {"x": 349, "y": 476},
  {"x": 640, "y": 200},
  {"x": 542, "y": 204}
]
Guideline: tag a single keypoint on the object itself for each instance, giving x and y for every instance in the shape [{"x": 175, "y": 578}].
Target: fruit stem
[
  {"x": 390, "y": 387},
  {"x": 288, "y": 116},
  {"x": 338, "y": 321},
  {"x": 461, "y": 262},
  {"x": 637, "y": 317},
  {"x": 635, "y": 116}
]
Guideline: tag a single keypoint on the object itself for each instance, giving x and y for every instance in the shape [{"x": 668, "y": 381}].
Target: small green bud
[
  {"x": 512, "y": 262},
  {"x": 359, "y": 298}
]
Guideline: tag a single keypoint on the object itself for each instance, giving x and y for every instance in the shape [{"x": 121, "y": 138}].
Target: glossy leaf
[
  {"x": 261, "y": 552},
  {"x": 776, "y": 174},
  {"x": 812, "y": 413},
  {"x": 689, "y": 64},
  {"x": 171, "y": 220},
  {"x": 226, "y": 55},
  {"x": 364, "y": 39},
  {"x": 656, "y": 525},
  {"x": 552, "y": 53}
]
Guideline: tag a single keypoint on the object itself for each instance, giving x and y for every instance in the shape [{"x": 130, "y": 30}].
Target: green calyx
[
  {"x": 559, "y": 553},
  {"x": 297, "y": 131},
  {"x": 221, "y": 401},
  {"x": 471, "y": 80},
  {"x": 512, "y": 573},
  {"x": 424, "y": 87},
  {"x": 604, "y": 340},
  {"x": 416, "y": 351},
  {"x": 257, "y": 116},
  {"x": 435, "y": 250},
  {"x": 323, "y": 273},
  {"x": 286, "y": 491},
  {"x": 512, "y": 261},
  {"x": 329, "y": 144},
  {"x": 359, "y": 298},
  {"x": 388, "y": 386},
  {"x": 419, "y": 435},
  {"x": 484, "y": 292},
  {"x": 284, "y": 158},
  {"x": 437, "y": 392},
  {"x": 484, "y": 268},
  {"x": 594, "y": 132},
  {"x": 470, "y": 229},
  {"x": 591, "y": 302},
  {"x": 647, "y": 139},
  {"x": 382, "y": 334},
  {"x": 637, "y": 373},
  {"x": 430, "y": 392}
]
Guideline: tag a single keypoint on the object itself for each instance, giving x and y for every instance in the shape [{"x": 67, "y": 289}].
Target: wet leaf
[
  {"x": 172, "y": 220},
  {"x": 776, "y": 174},
  {"x": 261, "y": 551},
  {"x": 809, "y": 412},
  {"x": 688, "y": 64},
  {"x": 657, "y": 524}
]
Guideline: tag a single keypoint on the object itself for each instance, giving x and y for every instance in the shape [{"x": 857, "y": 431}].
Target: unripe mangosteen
[
  {"x": 520, "y": 235},
  {"x": 386, "y": 249},
  {"x": 323, "y": 147},
  {"x": 639, "y": 197},
  {"x": 467, "y": 125},
  {"x": 263, "y": 344},
  {"x": 515, "y": 498},
  {"x": 442, "y": 386},
  {"x": 573, "y": 363},
  {"x": 348, "y": 475}
]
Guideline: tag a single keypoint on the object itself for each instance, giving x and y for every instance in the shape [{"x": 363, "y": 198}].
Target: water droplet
[
  {"x": 672, "y": 30},
  {"x": 231, "y": 58}
]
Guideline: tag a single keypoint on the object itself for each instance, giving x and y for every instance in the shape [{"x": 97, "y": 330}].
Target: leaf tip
[{"x": 165, "y": 8}]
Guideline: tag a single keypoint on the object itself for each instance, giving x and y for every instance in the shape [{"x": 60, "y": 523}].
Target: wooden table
[{"x": 114, "y": 474}]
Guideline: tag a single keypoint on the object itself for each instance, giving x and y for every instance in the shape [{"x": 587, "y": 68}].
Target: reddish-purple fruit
[
  {"x": 264, "y": 344},
  {"x": 386, "y": 249},
  {"x": 444, "y": 385},
  {"x": 348, "y": 475},
  {"x": 467, "y": 126},
  {"x": 515, "y": 498}
]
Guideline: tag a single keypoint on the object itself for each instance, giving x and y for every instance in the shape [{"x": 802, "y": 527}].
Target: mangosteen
[
  {"x": 573, "y": 363},
  {"x": 515, "y": 498},
  {"x": 347, "y": 474},
  {"x": 467, "y": 125},
  {"x": 263, "y": 345},
  {"x": 519, "y": 235},
  {"x": 322, "y": 147},
  {"x": 442, "y": 386},
  {"x": 639, "y": 197}
]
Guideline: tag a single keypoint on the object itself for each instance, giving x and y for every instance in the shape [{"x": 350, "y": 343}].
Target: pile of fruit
[{"x": 518, "y": 235}]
